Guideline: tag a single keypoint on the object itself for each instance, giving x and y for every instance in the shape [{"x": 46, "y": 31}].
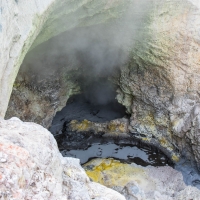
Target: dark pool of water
[{"x": 125, "y": 153}]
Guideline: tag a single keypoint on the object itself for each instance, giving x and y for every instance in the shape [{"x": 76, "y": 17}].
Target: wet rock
[{"x": 136, "y": 182}]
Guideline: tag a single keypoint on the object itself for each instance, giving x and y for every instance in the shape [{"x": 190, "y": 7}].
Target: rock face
[
  {"x": 136, "y": 182},
  {"x": 31, "y": 167},
  {"x": 36, "y": 97},
  {"x": 159, "y": 84},
  {"x": 114, "y": 128}
]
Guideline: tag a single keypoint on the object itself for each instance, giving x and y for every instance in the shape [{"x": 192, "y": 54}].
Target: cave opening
[
  {"x": 88, "y": 127},
  {"x": 96, "y": 103},
  {"x": 83, "y": 68}
]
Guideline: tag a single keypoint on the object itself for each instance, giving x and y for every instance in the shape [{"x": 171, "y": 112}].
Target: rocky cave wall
[
  {"x": 162, "y": 78},
  {"x": 159, "y": 83}
]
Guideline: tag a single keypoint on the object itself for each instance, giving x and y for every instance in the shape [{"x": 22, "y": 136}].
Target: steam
[{"x": 97, "y": 51}]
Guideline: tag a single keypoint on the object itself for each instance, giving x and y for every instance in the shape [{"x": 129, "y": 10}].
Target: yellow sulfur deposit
[{"x": 110, "y": 172}]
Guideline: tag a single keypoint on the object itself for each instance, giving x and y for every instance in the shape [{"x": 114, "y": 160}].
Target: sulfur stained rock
[
  {"x": 113, "y": 128},
  {"x": 112, "y": 173},
  {"x": 136, "y": 182},
  {"x": 160, "y": 83}
]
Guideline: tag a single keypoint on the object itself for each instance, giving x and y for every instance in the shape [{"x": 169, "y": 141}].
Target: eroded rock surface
[
  {"x": 31, "y": 167},
  {"x": 37, "y": 96},
  {"x": 136, "y": 182},
  {"x": 160, "y": 86}
]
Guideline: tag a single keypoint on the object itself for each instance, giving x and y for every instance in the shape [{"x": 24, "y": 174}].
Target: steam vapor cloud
[{"x": 97, "y": 51}]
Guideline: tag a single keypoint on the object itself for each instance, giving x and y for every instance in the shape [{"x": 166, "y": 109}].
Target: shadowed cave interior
[{"x": 97, "y": 104}]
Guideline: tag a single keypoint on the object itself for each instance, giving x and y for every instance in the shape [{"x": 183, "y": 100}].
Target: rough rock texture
[
  {"x": 31, "y": 167},
  {"x": 136, "y": 182},
  {"x": 21, "y": 22},
  {"x": 160, "y": 83},
  {"x": 37, "y": 97},
  {"x": 114, "y": 128}
]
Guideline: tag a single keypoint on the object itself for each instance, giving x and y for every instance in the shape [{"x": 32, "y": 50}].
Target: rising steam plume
[{"x": 97, "y": 51}]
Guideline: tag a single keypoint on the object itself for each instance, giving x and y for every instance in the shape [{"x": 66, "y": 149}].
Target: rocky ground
[
  {"x": 139, "y": 183},
  {"x": 31, "y": 167}
]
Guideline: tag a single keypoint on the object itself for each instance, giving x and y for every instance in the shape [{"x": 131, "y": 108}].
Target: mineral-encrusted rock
[
  {"x": 38, "y": 95},
  {"x": 31, "y": 167},
  {"x": 114, "y": 128},
  {"x": 136, "y": 182},
  {"x": 159, "y": 85}
]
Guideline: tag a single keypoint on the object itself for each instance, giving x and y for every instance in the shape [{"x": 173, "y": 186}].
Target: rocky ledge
[{"x": 31, "y": 167}]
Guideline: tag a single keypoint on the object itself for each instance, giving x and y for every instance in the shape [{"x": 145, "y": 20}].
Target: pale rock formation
[
  {"x": 141, "y": 183},
  {"x": 31, "y": 167}
]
